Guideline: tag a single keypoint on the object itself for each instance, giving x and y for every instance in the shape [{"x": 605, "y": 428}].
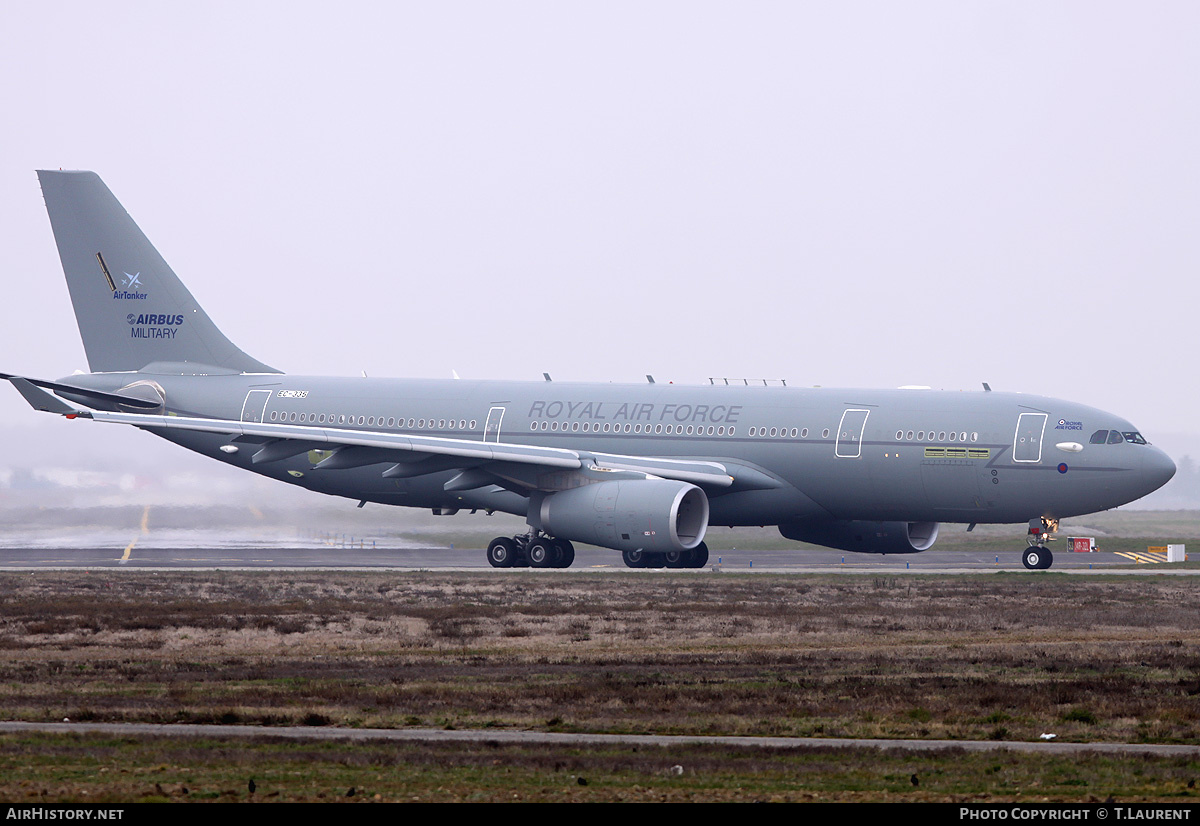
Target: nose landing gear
[{"x": 1037, "y": 556}]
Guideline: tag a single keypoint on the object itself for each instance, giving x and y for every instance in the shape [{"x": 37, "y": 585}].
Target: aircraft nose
[{"x": 1157, "y": 469}]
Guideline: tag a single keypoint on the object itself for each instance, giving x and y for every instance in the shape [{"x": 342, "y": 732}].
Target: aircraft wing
[{"x": 277, "y": 441}]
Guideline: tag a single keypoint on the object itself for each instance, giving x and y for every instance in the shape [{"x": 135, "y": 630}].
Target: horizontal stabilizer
[
  {"x": 40, "y": 399},
  {"x": 93, "y": 395}
]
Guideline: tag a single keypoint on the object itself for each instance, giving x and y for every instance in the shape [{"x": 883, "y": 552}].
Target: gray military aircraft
[{"x": 643, "y": 469}]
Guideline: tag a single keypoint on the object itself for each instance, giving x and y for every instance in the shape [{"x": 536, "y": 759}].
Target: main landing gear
[
  {"x": 697, "y": 557},
  {"x": 530, "y": 551},
  {"x": 533, "y": 551},
  {"x": 1037, "y": 556}
]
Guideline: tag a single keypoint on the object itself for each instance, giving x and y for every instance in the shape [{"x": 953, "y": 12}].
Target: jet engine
[
  {"x": 655, "y": 515},
  {"x": 865, "y": 537}
]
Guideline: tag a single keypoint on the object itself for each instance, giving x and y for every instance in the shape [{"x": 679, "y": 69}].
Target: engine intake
[
  {"x": 629, "y": 514},
  {"x": 866, "y": 537}
]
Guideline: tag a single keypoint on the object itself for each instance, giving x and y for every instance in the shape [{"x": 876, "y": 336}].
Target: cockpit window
[{"x": 1115, "y": 437}]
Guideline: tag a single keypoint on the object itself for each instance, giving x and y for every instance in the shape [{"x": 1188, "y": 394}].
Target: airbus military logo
[
  {"x": 154, "y": 325},
  {"x": 132, "y": 284}
]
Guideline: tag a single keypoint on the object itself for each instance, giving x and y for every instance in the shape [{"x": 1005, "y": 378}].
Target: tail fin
[{"x": 132, "y": 309}]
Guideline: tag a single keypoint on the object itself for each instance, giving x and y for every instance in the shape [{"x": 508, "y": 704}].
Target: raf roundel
[{"x": 1062, "y": 468}]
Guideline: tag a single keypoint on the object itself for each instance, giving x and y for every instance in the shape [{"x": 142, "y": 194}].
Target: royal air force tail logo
[{"x": 131, "y": 288}]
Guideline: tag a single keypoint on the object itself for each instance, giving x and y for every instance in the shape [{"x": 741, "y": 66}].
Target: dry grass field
[{"x": 1002, "y": 656}]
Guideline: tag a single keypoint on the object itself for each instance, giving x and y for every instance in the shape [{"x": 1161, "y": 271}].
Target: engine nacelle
[
  {"x": 866, "y": 537},
  {"x": 629, "y": 514}
]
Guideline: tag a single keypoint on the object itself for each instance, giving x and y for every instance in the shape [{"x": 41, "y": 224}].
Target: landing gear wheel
[
  {"x": 543, "y": 553},
  {"x": 634, "y": 559},
  {"x": 502, "y": 552},
  {"x": 566, "y": 553},
  {"x": 699, "y": 556},
  {"x": 1037, "y": 558},
  {"x": 676, "y": 559}
]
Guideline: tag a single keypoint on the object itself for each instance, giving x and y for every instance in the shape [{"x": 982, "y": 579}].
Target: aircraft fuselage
[{"x": 843, "y": 454}]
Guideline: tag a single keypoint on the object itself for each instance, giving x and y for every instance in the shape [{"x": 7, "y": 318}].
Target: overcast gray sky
[{"x": 853, "y": 194}]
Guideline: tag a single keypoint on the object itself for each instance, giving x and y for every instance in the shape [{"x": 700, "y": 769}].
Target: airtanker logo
[{"x": 132, "y": 284}]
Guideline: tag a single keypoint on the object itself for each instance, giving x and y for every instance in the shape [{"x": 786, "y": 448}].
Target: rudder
[{"x": 131, "y": 308}]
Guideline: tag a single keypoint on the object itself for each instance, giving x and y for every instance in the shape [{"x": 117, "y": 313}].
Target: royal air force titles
[{"x": 636, "y": 412}]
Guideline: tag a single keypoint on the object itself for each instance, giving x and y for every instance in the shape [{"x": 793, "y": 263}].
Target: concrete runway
[
  {"x": 512, "y": 736},
  {"x": 320, "y": 556}
]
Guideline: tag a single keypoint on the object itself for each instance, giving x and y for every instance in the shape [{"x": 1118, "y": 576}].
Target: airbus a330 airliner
[{"x": 641, "y": 468}]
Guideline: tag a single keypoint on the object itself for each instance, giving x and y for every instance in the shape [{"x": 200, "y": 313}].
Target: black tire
[
  {"x": 1047, "y": 558},
  {"x": 502, "y": 552},
  {"x": 566, "y": 555},
  {"x": 634, "y": 559},
  {"x": 676, "y": 559},
  {"x": 699, "y": 556},
  {"x": 543, "y": 553},
  {"x": 1033, "y": 558}
]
